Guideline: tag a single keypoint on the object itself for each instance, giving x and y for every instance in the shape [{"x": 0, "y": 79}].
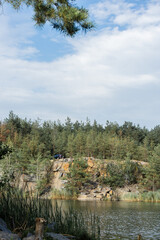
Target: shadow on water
[{"x": 121, "y": 220}]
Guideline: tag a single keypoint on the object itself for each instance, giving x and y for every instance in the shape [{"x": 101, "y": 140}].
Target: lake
[{"x": 121, "y": 220}]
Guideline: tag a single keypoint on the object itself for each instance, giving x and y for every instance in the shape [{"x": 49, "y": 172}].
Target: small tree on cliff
[
  {"x": 154, "y": 171},
  {"x": 77, "y": 176}
]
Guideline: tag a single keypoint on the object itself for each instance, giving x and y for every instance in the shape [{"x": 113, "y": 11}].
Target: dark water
[{"x": 122, "y": 220}]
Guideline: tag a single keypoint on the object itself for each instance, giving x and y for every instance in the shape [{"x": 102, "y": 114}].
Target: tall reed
[
  {"x": 19, "y": 210},
  {"x": 142, "y": 197},
  {"x": 62, "y": 194}
]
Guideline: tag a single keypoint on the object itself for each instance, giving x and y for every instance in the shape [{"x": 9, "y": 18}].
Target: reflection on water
[{"x": 122, "y": 220}]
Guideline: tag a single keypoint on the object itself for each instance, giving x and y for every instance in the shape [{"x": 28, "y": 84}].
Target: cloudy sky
[{"x": 111, "y": 73}]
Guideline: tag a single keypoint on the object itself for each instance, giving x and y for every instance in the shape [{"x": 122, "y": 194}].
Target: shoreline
[{"x": 123, "y": 198}]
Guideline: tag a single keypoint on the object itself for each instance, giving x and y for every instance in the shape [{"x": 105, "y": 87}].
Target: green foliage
[
  {"x": 61, "y": 194},
  {"x": 142, "y": 197},
  {"x": 69, "y": 139},
  {"x": 155, "y": 161},
  {"x": 63, "y": 15},
  {"x": 114, "y": 175},
  {"x": 131, "y": 171},
  {"x": 120, "y": 174},
  {"x": 4, "y": 149},
  {"x": 78, "y": 175},
  {"x": 153, "y": 171},
  {"x": 19, "y": 210},
  {"x": 33, "y": 144}
]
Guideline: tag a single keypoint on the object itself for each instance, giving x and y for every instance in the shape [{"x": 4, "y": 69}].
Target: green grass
[
  {"x": 142, "y": 197},
  {"x": 19, "y": 210},
  {"x": 62, "y": 194}
]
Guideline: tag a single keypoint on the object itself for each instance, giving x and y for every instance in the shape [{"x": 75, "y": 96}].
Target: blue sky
[{"x": 111, "y": 73}]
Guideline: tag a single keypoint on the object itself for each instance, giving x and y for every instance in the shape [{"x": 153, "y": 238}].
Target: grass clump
[
  {"x": 142, "y": 197},
  {"x": 62, "y": 194},
  {"x": 73, "y": 222},
  {"x": 19, "y": 210}
]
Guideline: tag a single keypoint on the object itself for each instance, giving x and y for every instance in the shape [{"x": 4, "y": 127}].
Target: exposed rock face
[
  {"x": 65, "y": 167},
  {"x": 32, "y": 237},
  {"x": 57, "y": 236},
  {"x": 57, "y": 181},
  {"x": 122, "y": 191},
  {"x": 60, "y": 169},
  {"x": 27, "y": 182},
  {"x": 91, "y": 191},
  {"x": 98, "y": 193},
  {"x": 90, "y": 163}
]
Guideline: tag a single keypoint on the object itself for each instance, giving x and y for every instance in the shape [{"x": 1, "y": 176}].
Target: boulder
[
  {"x": 96, "y": 191},
  {"x": 108, "y": 196},
  {"x": 82, "y": 197},
  {"x": 57, "y": 236},
  {"x": 99, "y": 188},
  {"x": 8, "y": 236},
  {"x": 32, "y": 237},
  {"x": 111, "y": 192},
  {"x": 99, "y": 196},
  {"x": 3, "y": 226},
  {"x": 90, "y": 163}
]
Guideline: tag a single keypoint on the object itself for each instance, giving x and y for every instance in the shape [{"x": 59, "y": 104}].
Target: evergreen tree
[
  {"x": 77, "y": 175},
  {"x": 70, "y": 146},
  {"x": 154, "y": 170},
  {"x": 79, "y": 143},
  {"x": 4, "y": 149},
  {"x": 63, "y": 15},
  {"x": 91, "y": 143}
]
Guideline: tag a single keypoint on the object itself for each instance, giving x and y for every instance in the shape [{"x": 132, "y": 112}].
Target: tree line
[
  {"x": 28, "y": 146},
  {"x": 111, "y": 141}
]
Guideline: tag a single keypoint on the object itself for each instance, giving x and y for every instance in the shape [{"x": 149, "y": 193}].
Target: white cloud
[
  {"x": 124, "y": 13},
  {"x": 105, "y": 9},
  {"x": 15, "y": 33},
  {"x": 90, "y": 81}
]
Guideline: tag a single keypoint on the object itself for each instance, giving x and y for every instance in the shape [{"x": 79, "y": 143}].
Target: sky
[{"x": 111, "y": 73}]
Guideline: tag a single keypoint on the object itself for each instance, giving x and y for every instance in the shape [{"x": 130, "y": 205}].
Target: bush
[
  {"x": 114, "y": 175},
  {"x": 119, "y": 174},
  {"x": 77, "y": 176}
]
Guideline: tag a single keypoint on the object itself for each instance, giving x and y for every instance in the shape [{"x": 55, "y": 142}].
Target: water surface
[{"x": 122, "y": 220}]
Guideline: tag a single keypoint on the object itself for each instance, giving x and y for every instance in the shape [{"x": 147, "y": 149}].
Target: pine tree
[
  {"x": 154, "y": 171},
  {"x": 63, "y": 15},
  {"x": 78, "y": 175}
]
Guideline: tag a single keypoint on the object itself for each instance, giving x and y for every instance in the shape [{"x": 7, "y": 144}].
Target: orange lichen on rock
[
  {"x": 90, "y": 163},
  {"x": 65, "y": 167},
  {"x": 111, "y": 192},
  {"x": 103, "y": 173}
]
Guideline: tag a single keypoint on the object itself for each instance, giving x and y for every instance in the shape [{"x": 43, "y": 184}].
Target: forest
[{"x": 26, "y": 145}]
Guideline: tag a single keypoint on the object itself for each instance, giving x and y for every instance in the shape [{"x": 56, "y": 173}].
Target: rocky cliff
[{"x": 58, "y": 181}]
